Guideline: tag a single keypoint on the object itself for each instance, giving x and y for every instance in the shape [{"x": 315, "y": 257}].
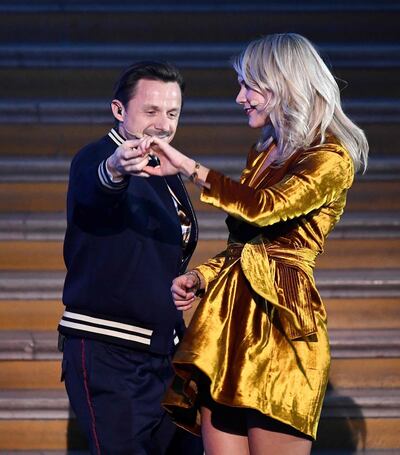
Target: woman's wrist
[
  {"x": 196, "y": 278},
  {"x": 196, "y": 172},
  {"x": 199, "y": 280},
  {"x": 187, "y": 166}
]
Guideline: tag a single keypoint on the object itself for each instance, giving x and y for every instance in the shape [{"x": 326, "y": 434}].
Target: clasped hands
[
  {"x": 184, "y": 289},
  {"x": 132, "y": 158}
]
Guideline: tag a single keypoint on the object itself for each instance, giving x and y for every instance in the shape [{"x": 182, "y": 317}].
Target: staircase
[{"x": 58, "y": 63}]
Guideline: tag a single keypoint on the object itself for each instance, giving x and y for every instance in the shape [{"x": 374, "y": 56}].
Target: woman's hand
[
  {"x": 171, "y": 160},
  {"x": 183, "y": 291}
]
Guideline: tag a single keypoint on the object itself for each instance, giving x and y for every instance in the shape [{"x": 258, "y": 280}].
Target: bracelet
[
  {"x": 194, "y": 176},
  {"x": 198, "y": 281},
  {"x": 199, "y": 292}
]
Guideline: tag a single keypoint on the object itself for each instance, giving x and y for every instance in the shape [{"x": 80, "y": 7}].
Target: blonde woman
[{"x": 255, "y": 359}]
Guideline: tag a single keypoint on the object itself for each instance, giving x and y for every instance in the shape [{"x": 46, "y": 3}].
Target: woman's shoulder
[
  {"x": 327, "y": 158},
  {"x": 329, "y": 149},
  {"x": 330, "y": 144}
]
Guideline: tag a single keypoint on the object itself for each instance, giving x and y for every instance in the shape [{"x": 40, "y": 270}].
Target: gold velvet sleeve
[
  {"x": 211, "y": 268},
  {"x": 316, "y": 179}
]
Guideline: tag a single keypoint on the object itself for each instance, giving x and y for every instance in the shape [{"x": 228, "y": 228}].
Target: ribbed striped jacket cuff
[{"x": 106, "y": 181}]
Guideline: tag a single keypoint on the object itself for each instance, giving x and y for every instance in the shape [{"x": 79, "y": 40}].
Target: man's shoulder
[
  {"x": 99, "y": 144},
  {"x": 96, "y": 149}
]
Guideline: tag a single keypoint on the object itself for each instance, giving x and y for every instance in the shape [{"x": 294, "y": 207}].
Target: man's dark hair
[{"x": 125, "y": 87}]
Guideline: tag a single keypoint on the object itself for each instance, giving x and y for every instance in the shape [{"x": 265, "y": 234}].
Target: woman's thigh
[
  {"x": 222, "y": 435},
  {"x": 266, "y": 442},
  {"x": 270, "y": 436},
  {"x": 239, "y": 431}
]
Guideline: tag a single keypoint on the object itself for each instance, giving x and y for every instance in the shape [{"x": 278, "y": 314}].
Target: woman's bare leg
[
  {"x": 266, "y": 442},
  {"x": 219, "y": 442}
]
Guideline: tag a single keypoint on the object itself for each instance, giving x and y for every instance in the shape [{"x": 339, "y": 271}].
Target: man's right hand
[{"x": 129, "y": 158}]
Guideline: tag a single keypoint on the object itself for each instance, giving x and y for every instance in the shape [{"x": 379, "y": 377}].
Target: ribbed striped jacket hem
[{"x": 135, "y": 336}]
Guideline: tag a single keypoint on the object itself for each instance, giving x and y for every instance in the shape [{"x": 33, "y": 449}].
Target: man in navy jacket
[{"x": 128, "y": 235}]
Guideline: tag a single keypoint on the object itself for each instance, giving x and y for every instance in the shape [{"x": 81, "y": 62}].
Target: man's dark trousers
[{"x": 115, "y": 393}]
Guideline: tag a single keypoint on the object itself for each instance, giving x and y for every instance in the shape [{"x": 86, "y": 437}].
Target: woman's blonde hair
[{"x": 305, "y": 103}]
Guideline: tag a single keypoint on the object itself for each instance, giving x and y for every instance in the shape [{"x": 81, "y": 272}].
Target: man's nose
[{"x": 162, "y": 123}]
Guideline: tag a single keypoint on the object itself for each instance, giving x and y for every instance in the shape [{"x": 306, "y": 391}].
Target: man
[{"x": 127, "y": 237}]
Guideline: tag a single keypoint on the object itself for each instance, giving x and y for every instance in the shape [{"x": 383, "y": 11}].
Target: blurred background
[{"x": 58, "y": 64}]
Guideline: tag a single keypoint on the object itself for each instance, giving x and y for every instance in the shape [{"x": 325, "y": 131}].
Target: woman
[{"x": 255, "y": 358}]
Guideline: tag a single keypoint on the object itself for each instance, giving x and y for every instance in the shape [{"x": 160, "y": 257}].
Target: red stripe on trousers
[{"x": 89, "y": 402}]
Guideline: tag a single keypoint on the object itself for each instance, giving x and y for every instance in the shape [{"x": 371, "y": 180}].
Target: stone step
[
  {"x": 357, "y": 283},
  {"x": 34, "y": 226},
  {"x": 374, "y": 403},
  {"x": 61, "y": 140},
  {"x": 41, "y": 435},
  {"x": 196, "y": 111},
  {"x": 360, "y": 373},
  {"x": 35, "y": 375},
  {"x": 33, "y": 285},
  {"x": 39, "y": 420},
  {"x": 343, "y": 434},
  {"x": 351, "y": 344},
  {"x": 343, "y": 313},
  {"x": 339, "y": 253},
  {"x": 198, "y": 23},
  {"x": 42, "y": 315},
  {"x": 184, "y": 54},
  {"x": 74, "y": 71},
  {"x": 345, "y": 344},
  {"x": 358, "y": 434},
  {"x": 32, "y": 197},
  {"x": 332, "y": 284},
  {"x": 55, "y": 169},
  {"x": 28, "y": 345},
  {"x": 349, "y": 434},
  {"x": 30, "y": 360},
  {"x": 365, "y": 195},
  {"x": 355, "y": 313},
  {"x": 74, "y": 83},
  {"x": 51, "y": 226},
  {"x": 53, "y": 404}
]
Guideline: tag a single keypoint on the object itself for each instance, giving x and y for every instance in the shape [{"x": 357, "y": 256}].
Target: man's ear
[{"x": 117, "y": 110}]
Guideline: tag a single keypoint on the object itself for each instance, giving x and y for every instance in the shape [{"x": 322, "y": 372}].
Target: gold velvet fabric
[{"x": 259, "y": 333}]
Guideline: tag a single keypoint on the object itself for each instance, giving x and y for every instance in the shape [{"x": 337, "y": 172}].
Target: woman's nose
[{"x": 241, "y": 96}]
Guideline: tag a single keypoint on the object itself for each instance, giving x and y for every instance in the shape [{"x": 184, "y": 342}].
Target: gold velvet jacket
[{"x": 297, "y": 205}]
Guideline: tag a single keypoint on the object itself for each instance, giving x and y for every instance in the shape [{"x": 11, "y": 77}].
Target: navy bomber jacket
[{"x": 122, "y": 249}]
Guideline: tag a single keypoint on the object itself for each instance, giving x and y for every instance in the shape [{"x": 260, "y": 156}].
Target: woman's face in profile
[{"x": 254, "y": 104}]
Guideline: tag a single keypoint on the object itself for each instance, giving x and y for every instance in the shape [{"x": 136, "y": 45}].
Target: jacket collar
[{"x": 116, "y": 137}]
